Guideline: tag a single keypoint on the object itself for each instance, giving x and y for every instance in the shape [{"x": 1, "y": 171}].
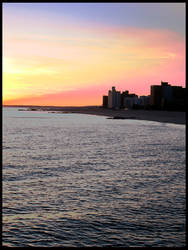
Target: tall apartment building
[
  {"x": 105, "y": 101},
  {"x": 165, "y": 95},
  {"x": 156, "y": 95},
  {"x": 114, "y": 98}
]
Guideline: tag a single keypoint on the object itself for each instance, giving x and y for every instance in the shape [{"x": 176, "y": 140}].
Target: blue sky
[{"x": 169, "y": 16}]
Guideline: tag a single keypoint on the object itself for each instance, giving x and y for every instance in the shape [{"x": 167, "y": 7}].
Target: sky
[{"x": 71, "y": 54}]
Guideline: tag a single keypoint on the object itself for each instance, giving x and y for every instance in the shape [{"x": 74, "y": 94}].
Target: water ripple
[{"x": 79, "y": 180}]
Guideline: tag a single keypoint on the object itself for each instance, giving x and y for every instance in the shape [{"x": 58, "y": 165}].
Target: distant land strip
[{"x": 175, "y": 117}]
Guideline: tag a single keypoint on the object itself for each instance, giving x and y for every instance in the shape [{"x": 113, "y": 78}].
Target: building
[
  {"x": 161, "y": 95},
  {"x": 105, "y": 101},
  {"x": 114, "y": 98},
  {"x": 128, "y": 100},
  {"x": 156, "y": 95},
  {"x": 179, "y": 98},
  {"x": 144, "y": 100},
  {"x": 123, "y": 95},
  {"x": 117, "y": 100},
  {"x": 110, "y": 105},
  {"x": 165, "y": 96}
]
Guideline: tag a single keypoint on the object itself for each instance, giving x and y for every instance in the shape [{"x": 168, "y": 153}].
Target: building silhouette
[
  {"x": 129, "y": 100},
  {"x": 144, "y": 101},
  {"x": 167, "y": 97},
  {"x": 105, "y": 101},
  {"x": 114, "y": 98},
  {"x": 162, "y": 97}
]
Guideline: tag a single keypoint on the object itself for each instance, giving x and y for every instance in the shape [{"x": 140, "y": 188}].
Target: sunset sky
[{"x": 71, "y": 54}]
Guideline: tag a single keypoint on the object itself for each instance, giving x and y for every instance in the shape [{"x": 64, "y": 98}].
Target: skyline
[{"x": 69, "y": 54}]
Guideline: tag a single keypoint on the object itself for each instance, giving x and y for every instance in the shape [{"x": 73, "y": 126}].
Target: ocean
[{"x": 82, "y": 180}]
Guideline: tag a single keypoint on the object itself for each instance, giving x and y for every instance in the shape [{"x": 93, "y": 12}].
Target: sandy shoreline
[{"x": 150, "y": 115}]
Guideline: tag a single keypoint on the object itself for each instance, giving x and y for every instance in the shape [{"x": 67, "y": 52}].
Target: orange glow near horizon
[{"x": 75, "y": 67}]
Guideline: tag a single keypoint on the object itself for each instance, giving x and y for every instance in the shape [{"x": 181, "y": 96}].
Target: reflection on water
[{"x": 82, "y": 180}]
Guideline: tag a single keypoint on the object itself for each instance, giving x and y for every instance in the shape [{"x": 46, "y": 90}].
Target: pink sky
[{"x": 51, "y": 58}]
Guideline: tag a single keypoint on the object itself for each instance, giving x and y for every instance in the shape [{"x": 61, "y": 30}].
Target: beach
[{"x": 149, "y": 115}]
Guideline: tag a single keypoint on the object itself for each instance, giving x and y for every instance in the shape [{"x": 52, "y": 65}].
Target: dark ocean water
[{"x": 82, "y": 180}]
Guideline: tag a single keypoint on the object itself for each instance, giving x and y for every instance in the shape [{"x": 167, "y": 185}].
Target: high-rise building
[
  {"x": 114, "y": 98},
  {"x": 156, "y": 95},
  {"x": 123, "y": 95},
  {"x": 110, "y": 99},
  {"x": 179, "y": 97},
  {"x": 105, "y": 101},
  {"x": 118, "y": 100},
  {"x": 167, "y": 96}
]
